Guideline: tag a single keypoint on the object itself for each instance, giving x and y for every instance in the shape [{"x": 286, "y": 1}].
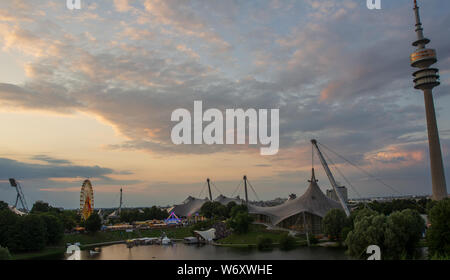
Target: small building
[
  {"x": 206, "y": 236},
  {"x": 332, "y": 194}
]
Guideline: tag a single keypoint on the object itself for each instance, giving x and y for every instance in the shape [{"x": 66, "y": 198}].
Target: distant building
[{"x": 332, "y": 194}]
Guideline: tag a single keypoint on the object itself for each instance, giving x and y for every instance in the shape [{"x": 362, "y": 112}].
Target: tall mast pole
[
  {"x": 245, "y": 188},
  {"x": 426, "y": 79},
  {"x": 209, "y": 189},
  {"x": 120, "y": 205}
]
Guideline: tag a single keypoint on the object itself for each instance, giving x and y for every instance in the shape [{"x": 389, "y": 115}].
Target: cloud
[{"x": 51, "y": 160}]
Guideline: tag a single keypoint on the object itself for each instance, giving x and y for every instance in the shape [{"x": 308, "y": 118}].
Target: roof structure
[
  {"x": 313, "y": 201},
  {"x": 208, "y": 235},
  {"x": 189, "y": 207},
  {"x": 225, "y": 200},
  {"x": 192, "y": 205},
  {"x": 16, "y": 211}
]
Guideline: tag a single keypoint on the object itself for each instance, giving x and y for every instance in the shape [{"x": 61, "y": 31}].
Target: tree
[
  {"x": 368, "y": 230},
  {"x": 230, "y": 207},
  {"x": 4, "y": 254},
  {"x": 3, "y": 206},
  {"x": 28, "y": 234},
  {"x": 40, "y": 207},
  {"x": 55, "y": 228},
  {"x": 403, "y": 232},
  {"x": 438, "y": 234},
  {"x": 93, "y": 223},
  {"x": 240, "y": 223},
  {"x": 213, "y": 210},
  {"x": 7, "y": 220},
  {"x": 238, "y": 208},
  {"x": 334, "y": 222}
]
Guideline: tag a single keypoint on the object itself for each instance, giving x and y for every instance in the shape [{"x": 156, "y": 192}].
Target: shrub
[
  {"x": 287, "y": 242},
  {"x": 264, "y": 243},
  {"x": 4, "y": 254}
]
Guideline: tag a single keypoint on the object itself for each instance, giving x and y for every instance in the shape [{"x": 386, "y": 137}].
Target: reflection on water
[{"x": 181, "y": 251}]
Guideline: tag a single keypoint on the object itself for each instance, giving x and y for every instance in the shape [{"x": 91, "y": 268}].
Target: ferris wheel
[{"x": 86, "y": 199}]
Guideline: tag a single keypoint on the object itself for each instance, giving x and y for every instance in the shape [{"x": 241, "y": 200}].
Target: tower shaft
[{"x": 436, "y": 163}]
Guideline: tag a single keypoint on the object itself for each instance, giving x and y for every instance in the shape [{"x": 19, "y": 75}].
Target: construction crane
[
  {"x": 20, "y": 196},
  {"x": 331, "y": 178}
]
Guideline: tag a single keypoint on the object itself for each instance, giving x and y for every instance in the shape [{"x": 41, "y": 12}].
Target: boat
[
  {"x": 130, "y": 243},
  {"x": 190, "y": 240},
  {"x": 95, "y": 251},
  {"x": 166, "y": 241}
]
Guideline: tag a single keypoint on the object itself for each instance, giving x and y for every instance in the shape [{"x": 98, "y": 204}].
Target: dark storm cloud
[{"x": 15, "y": 169}]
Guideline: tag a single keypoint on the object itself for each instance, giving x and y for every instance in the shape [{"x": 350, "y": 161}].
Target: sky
[{"x": 89, "y": 93}]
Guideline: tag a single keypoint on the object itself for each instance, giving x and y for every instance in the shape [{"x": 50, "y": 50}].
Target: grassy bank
[
  {"x": 101, "y": 237},
  {"x": 47, "y": 253},
  {"x": 250, "y": 238}
]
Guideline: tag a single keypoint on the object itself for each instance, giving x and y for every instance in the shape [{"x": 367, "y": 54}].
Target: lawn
[
  {"x": 251, "y": 237},
  {"x": 101, "y": 237}
]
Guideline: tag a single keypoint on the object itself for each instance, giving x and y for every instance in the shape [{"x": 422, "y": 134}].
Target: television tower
[{"x": 426, "y": 79}]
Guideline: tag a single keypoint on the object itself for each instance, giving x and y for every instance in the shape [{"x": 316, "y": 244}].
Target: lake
[{"x": 180, "y": 251}]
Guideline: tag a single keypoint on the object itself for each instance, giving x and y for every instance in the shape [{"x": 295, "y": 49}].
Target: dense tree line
[
  {"x": 42, "y": 227},
  {"x": 397, "y": 234},
  {"x": 389, "y": 207},
  {"x": 152, "y": 213}
]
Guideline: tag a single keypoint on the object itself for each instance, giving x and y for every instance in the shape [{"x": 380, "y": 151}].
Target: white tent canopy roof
[{"x": 313, "y": 201}]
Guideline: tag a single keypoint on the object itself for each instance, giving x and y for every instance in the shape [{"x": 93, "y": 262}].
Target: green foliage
[
  {"x": 93, "y": 223},
  {"x": 204, "y": 225},
  {"x": 214, "y": 210},
  {"x": 4, "y": 254},
  {"x": 389, "y": 207},
  {"x": 264, "y": 243},
  {"x": 368, "y": 230},
  {"x": 7, "y": 221},
  {"x": 438, "y": 234},
  {"x": 238, "y": 208},
  {"x": 29, "y": 233},
  {"x": 3, "y": 206},
  {"x": 240, "y": 222},
  {"x": 334, "y": 222},
  {"x": 403, "y": 232},
  {"x": 54, "y": 228},
  {"x": 397, "y": 235},
  {"x": 287, "y": 242},
  {"x": 133, "y": 215}
]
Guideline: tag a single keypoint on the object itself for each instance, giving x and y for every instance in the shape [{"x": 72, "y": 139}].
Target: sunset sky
[{"x": 89, "y": 94}]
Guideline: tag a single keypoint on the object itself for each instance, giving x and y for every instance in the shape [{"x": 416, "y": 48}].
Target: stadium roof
[{"x": 313, "y": 201}]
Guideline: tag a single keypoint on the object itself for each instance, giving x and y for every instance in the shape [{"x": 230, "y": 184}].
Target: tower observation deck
[{"x": 426, "y": 79}]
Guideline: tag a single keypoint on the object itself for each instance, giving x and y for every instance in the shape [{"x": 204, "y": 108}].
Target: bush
[
  {"x": 4, "y": 254},
  {"x": 287, "y": 242},
  {"x": 264, "y": 243},
  {"x": 438, "y": 235}
]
